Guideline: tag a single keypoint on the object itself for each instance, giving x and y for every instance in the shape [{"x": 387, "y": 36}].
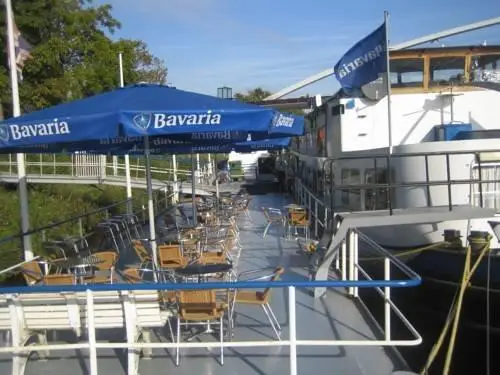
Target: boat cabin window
[
  {"x": 350, "y": 198},
  {"x": 445, "y": 71},
  {"x": 490, "y": 192},
  {"x": 485, "y": 68},
  {"x": 407, "y": 72},
  {"x": 376, "y": 198}
]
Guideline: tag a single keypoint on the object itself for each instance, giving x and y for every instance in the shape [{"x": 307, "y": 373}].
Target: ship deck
[{"x": 333, "y": 317}]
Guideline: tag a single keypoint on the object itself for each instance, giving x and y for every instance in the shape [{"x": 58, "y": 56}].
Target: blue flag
[{"x": 364, "y": 62}]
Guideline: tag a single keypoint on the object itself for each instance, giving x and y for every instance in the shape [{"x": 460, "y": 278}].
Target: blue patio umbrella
[
  {"x": 143, "y": 111},
  {"x": 147, "y": 110}
]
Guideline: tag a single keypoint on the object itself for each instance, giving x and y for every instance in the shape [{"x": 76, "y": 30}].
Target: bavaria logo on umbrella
[
  {"x": 142, "y": 120},
  {"x": 4, "y": 133}
]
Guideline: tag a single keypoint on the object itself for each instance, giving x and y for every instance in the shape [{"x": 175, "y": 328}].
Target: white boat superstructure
[{"x": 445, "y": 111}]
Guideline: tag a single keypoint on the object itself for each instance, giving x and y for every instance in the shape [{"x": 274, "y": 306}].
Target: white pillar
[
  {"x": 128, "y": 182},
  {"x": 16, "y": 109},
  {"x": 176, "y": 186}
]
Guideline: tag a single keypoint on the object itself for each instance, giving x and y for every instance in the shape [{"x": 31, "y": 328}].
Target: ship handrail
[
  {"x": 293, "y": 342},
  {"x": 390, "y": 185}
]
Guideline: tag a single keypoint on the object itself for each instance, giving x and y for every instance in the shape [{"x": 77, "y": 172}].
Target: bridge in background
[{"x": 101, "y": 170}]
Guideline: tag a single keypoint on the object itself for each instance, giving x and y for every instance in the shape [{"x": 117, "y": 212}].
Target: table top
[
  {"x": 85, "y": 261},
  {"x": 203, "y": 269}
]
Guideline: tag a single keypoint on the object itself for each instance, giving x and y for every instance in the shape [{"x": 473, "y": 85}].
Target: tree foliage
[
  {"x": 259, "y": 94},
  {"x": 73, "y": 55},
  {"x": 255, "y": 95}
]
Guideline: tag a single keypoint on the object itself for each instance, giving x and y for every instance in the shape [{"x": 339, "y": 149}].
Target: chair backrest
[
  {"x": 170, "y": 254},
  {"x": 196, "y": 301},
  {"x": 32, "y": 272},
  {"x": 141, "y": 250},
  {"x": 108, "y": 260},
  {"x": 40, "y": 311},
  {"x": 132, "y": 275},
  {"x": 5, "y": 320},
  {"x": 108, "y": 309},
  {"x": 298, "y": 216},
  {"x": 275, "y": 277}
]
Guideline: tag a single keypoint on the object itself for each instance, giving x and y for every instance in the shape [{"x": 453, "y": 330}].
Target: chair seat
[
  {"x": 247, "y": 296},
  {"x": 100, "y": 279},
  {"x": 204, "y": 315}
]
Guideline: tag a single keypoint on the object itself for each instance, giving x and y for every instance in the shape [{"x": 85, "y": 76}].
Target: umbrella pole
[
  {"x": 193, "y": 192},
  {"x": 151, "y": 212}
]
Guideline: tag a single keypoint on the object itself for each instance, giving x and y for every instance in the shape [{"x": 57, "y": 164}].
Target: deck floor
[{"x": 332, "y": 317}]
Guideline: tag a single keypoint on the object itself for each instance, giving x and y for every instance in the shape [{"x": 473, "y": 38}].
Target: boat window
[
  {"x": 407, "y": 72},
  {"x": 350, "y": 177},
  {"x": 490, "y": 188},
  {"x": 376, "y": 198},
  {"x": 446, "y": 71},
  {"x": 485, "y": 68}
]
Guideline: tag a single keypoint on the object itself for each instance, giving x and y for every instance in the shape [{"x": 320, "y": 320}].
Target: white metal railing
[
  {"x": 92, "y": 344},
  {"x": 315, "y": 206},
  {"x": 83, "y": 165}
]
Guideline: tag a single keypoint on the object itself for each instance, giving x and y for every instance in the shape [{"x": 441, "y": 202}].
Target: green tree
[
  {"x": 259, "y": 94},
  {"x": 255, "y": 95},
  {"x": 73, "y": 55}
]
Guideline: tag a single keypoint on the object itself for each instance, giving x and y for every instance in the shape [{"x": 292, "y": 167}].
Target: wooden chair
[
  {"x": 142, "y": 252},
  {"x": 105, "y": 269},
  {"x": 170, "y": 257},
  {"x": 298, "y": 219},
  {"x": 257, "y": 298},
  {"x": 33, "y": 275},
  {"x": 199, "y": 307}
]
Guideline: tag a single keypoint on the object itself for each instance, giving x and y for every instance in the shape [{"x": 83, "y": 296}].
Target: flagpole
[
  {"x": 128, "y": 182},
  {"x": 388, "y": 81},
  {"x": 389, "y": 112},
  {"x": 16, "y": 112}
]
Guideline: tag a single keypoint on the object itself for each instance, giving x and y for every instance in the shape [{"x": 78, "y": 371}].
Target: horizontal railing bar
[
  {"x": 225, "y": 344},
  {"x": 211, "y": 285},
  {"x": 410, "y": 154},
  {"x": 413, "y": 184}
]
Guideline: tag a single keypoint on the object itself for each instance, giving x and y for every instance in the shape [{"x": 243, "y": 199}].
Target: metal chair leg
[
  {"x": 269, "y": 318},
  {"x": 177, "y": 353},
  {"x": 265, "y": 230},
  {"x": 273, "y": 316},
  {"x": 221, "y": 341}
]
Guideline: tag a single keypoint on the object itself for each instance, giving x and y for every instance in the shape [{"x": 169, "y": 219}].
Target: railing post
[
  {"x": 355, "y": 262},
  {"x": 351, "y": 261},
  {"x": 448, "y": 182},
  {"x": 387, "y": 298},
  {"x": 343, "y": 260},
  {"x": 91, "y": 333},
  {"x": 316, "y": 217},
  {"x": 293, "y": 330}
]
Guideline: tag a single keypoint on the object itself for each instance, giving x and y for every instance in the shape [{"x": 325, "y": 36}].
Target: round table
[{"x": 79, "y": 266}]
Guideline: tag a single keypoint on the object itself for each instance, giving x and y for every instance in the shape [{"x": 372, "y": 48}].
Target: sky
[{"x": 272, "y": 44}]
